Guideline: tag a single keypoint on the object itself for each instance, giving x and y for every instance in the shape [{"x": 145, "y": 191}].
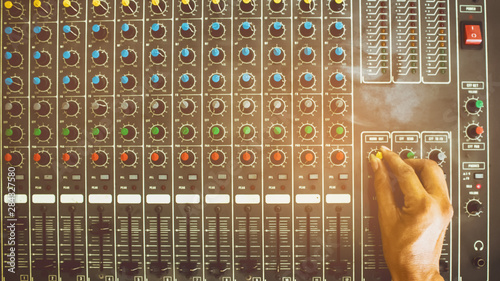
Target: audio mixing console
[{"x": 229, "y": 140}]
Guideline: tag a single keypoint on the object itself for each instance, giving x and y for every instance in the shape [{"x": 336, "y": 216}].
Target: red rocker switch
[{"x": 473, "y": 35}]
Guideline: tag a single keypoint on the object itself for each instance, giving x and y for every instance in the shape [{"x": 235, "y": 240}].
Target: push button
[{"x": 473, "y": 35}]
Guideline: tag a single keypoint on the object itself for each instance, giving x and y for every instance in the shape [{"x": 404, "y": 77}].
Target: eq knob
[
  {"x": 217, "y": 6},
  {"x": 42, "y": 133},
  {"x": 307, "y": 157},
  {"x": 217, "y": 157},
  {"x": 42, "y": 58},
  {"x": 129, "y": 31},
  {"x": 14, "y": 9},
  {"x": 306, "y": 54},
  {"x": 99, "y": 57},
  {"x": 14, "y": 83},
  {"x": 337, "y": 55},
  {"x": 216, "y": 55},
  {"x": 337, "y": 80},
  {"x": 158, "y": 30},
  {"x": 187, "y": 55},
  {"x": 71, "y": 158},
  {"x": 247, "y": 29},
  {"x": 157, "y": 56},
  {"x": 276, "y": 6},
  {"x": 14, "y": 133},
  {"x": 437, "y": 156},
  {"x": 128, "y": 81},
  {"x": 307, "y": 80},
  {"x": 128, "y": 56},
  {"x": 306, "y": 29},
  {"x": 99, "y": 133},
  {"x": 247, "y": 132},
  {"x": 71, "y": 8},
  {"x": 128, "y": 107},
  {"x": 99, "y": 158},
  {"x": 14, "y": 34},
  {"x": 474, "y": 131},
  {"x": 157, "y": 107},
  {"x": 100, "y": 32},
  {"x": 70, "y": 107},
  {"x": 100, "y": 7},
  {"x": 157, "y": 81},
  {"x": 187, "y": 81},
  {"x": 337, "y": 106},
  {"x": 42, "y": 158},
  {"x": 187, "y": 132},
  {"x": 247, "y": 55},
  {"x": 187, "y": 106},
  {"x": 217, "y": 132},
  {"x": 276, "y": 29},
  {"x": 407, "y": 154},
  {"x": 71, "y": 133},
  {"x": 307, "y": 131},
  {"x": 216, "y": 81},
  {"x": 129, "y": 7},
  {"x": 277, "y": 80},
  {"x": 14, "y": 58},
  {"x": 247, "y": 157},
  {"x": 337, "y": 6},
  {"x": 71, "y": 32},
  {"x": 71, "y": 57},
  {"x": 247, "y": 106},
  {"x": 277, "y": 55},
  {"x": 337, "y": 29},
  {"x": 277, "y": 157},
  {"x": 188, "y": 6},
  {"x": 99, "y": 107},
  {"x": 42, "y": 83},
  {"x": 128, "y": 132},
  {"x": 70, "y": 82},
  {"x": 277, "y": 106},
  {"x": 474, "y": 207},
  {"x": 474, "y": 106},
  {"x": 216, "y": 30},
  {"x": 42, "y": 33},
  {"x": 307, "y": 106},
  {"x": 99, "y": 82},
  {"x": 187, "y": 30},
  {"x": 187, "y": 158},
  {"x": 14, "y": 108},
  {"x": 277, "y": 132},
  {"x": 338, "y": 131},
  {"x": 337, "y": 157},
  {"x": 247, "y": 80},
  {"x": 157, "y": 158},
  {"x": 158, "y": 6},
  {"x": 128, "y": 158},
  {"x": 14, "y": 158},
  {"x": 216, "y": 106},
  {"x": 42, "y": 108},
  {"x": 158, "y": 132}
]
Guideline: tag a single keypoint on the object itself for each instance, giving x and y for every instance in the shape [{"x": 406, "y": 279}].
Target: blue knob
[
  {"x": 277, "y": 25},
  {"x": 245, "y": 51},
  {"x": 36, "y": 80},
  {"x": 277, "y": 51},
  {"x": 308, "y": 25},
  {"x": 307, "y": 51},
  {"x": 216, "y": 78},
  {"x": 66, "y": 55},
  {"x": 308, "y": 77},
  {"x": 96, "y": 79},
  {"x": 277, "y": 77},
  {"x": 339, "y": 25},
  {"x": 8, "y": 30},
  {"x": 246, "y": 25},
  {"x": 37, "y": 29},
  {"x": 9, "y": 81},
  {"x": 124, "y": 79},
  {"x": 185, "y": 52},
  {"x": 125, "y": 27},
  {"x": 96, "y": 28},
  {"x": 125, "y": 53},
  {"x": 185, "y": 26},
  {"x": 155, "y": 78},
  {"x": 246, "y": 77},
  {"x": 339, "y": 51},
  {"x": 37, "y": 55},
  {"x": 66, "y": 79},
  {"x": 96, "y": 54},
  {"x": 155, "y": 27},
  {"x": 215, "y": 26},
  {"x": 339, "y": 77},
  {"x": 184, "y": 78},
  {"x": 155, "y": 52},
  {"x": 8, "y": 55},
  {"x": 66, "y": 28},
  {"x": 215, "y": 52}
]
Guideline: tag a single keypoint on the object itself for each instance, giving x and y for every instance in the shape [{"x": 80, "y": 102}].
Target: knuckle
[{"x": 405, "y": 170}]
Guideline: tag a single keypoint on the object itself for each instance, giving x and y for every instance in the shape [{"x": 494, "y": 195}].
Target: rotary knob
[
  {"x": 474, "y": 131},
  {"x": 217, "y": 6},
  {"x": 307, "y": 131},
  {"x": 217, "y": 30},
  {"x": 277, "y": 55},
  {"x": 99, "y": 158},
  {"x": 407, "y": 153},
  {"x": 277, "y": 80},
  {"x": 128, "y": 158},
  {"x": 277, "y": 157},
  {"x": 158, "y": 6},
  {"x": 277, "y": 29},
  {"x": 42, "y": 108},
  {"x": 187, "y": 55},
  {"x": 247, "y": 80},
  {"x": 277, "y": 106},
  {"x": 70, "y": 82},
  {"x": 14, "y": 83},
  {"x": 14, "y": 108},
  {"x": 474, "y": 106},
  {"x": 338, "y": 106},
  {"x": 277, "y": 132},
  {"x": 337, "y": 6},
  {"x": 99, "y": 82},
  {"x": 71, "y": 108},
  {"x": 247, "y": 157},
  {"x": 306, "y": 54},
  {"x": 276, "y": 6},
  {"x": 217, "y": 157},
  {"x": 437, "y": 155},
  {"x": 157, "y": 56},
  {"x": 42, "y": 83},
  {"x": 128, "y": 81},
  {"x": 307, "y": 80},
  {"x": 337, "y": 80},
  {"x": 15, "y": 59},
  {"x": 338, "y": 157},
  {"x": 14, "y": 133},
  {"x": 187, "y": 81},
  {"x": 158, "y": 30},
  {"x": 129, "y": 31},
  {"x": 14, "y": 34},
  {"x": 216, "y": 55},
  {"x": 216, "y": 106},
  {"x": 157, "y": 81},
  {"x": 128, "y": 132},
  {"x": 473, "y": 207},
  {"x": 216, "y": 81},
  {"x": 187, "y": 106},
  {"x": 187, "y": 30},
  {"x": 14, "y": 9},
  {"x": 71, "y": 158},
  {"x": 306, "y": 6},
  {"x": 100, "y": 7},
  {"x": 99, "y": 133},
  {"x": 306, "y": 29},
  {"x": 337, "y": 29},
  {"x": 100, "y": 32},
  {"x": 42, "y": 158},
  {"x": 187, "y": 132},
  {"x": 128, "y": 107},
  {"x": 99, "y": 107},
  {"x": 307, "y": 106},
  {"x": 217, "y": 132},
  {"x": 72, "y": 8},
  {"x": 247, "y": 132},
  {"x": 337, "y": 55},
  {"x": 71, "y": 32},
  {"x": 99, "y": 57},
  {"x": 158, "y": 132},
  {"x": 187, "y": 6},
  {"x": 71, "y": 133},
  {"x": 338, "y": 131},
  {"x": 71, "y": 57},
  {"x": 42, "y": 33},
  {"x": 307, "y": 157},
  {"x": 128, "y": 56},
  {"x": 14, "y": 158},
  {"x": 187, "y": 158},
  {"x": 247, "y": 106},
  {"x": 247, "y": 6},
  {"x": 247, "y": 55},
  {"x": 157, "y": 107},
  {"x": 157, "y": 158},
  {"x": 129, "y": 7},
  {"x": 42, "y": 58},
  {"x": 247, "y": 29}
]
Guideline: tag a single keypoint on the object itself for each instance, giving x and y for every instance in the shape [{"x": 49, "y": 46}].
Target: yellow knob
[
  {"x": 96, "y": 3},
  {"x": 379, "y": 155},
  {"x": 37, "y": 3},
  {"x": 307, "y": 1},
  {"x": 216, "y": 2},
  {"x": 339, "y": 1},
  {"x": 277, "y": 1},
  {"x": 155, "y": 2},
  {"x": 125, "y": 3},
  {"x": 185, "y": 2},
  {"x": 8, "y": 4},
  {"x": 67, "y": 3},
  {"x": 247, "y": 1}
]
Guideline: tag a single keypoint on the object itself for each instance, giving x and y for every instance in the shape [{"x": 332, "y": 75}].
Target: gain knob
[
  {"x": 42, "y": 158},
  {"x": 42, "y": 33},
  {"x": 129, "y": 7},
  {"x": 71, "y": 32},
  {"x": 157, "y": 81},
  {"x": 128, "y": 158},
  {"x": 158, "y": 6},
  {"x": 276, "y": 29},
  {"x": 187, "y": 158},
  {"x": 158, "y": 132},
  {"x": 14, "y": 158},
  {"x": 247, "y": 80},
  {"x": 216, "y": 55},
  {"x": 157, "y": 158},
  {"x": 307, "y": 157},
  {"x": 187, "y": 132},
  {"x": 216, "y": 106},
  {"x": 70, "y": 82},
  {"x": 247, "y": 132},
  {"x": 277, "y": 106},
  {"x": 247, "y": 106},
  {"x": 437, "y": 155},
  {"x": 71, "y": 158},
  {"x": 128, "y": 56},
  {"x": 217, "y": 6},
  {"x": 306, "y": 54},
  {"x": 187, "y": 55},
  {"x": 217, "y": 158},
  {"x": 306, "y": 6},
  {"x": 276, "y": 6},
  {"x": 247, "y": 55},
  {"x": 158, "y": 30},
  {"x": 14, "y": 83},
  {"x": 99, "y": 57},
  {"x": 42, "y": 58},
  {"x": 474, "y": 131},
  {"x": 71, "y": 8},
  {"x": 187, "y": 30},
  {"x": 42, "y": 108},
  {"x": 306, "y": 29},
  {"x": 43, "y": 9},
  {"x": 14, "y": 34},
  {"x": 277, "y": 132},
  {"x": 247, "y": 157},
  {"x": 14, "y": 108},
  {"x": 337, "y": 6},
  {"x": 99, "y": 158},
  {"x": 407, "y": 154},
  {"x": 14, "y": 9},
  {"x": 307, "y": 80},
  {"x": 216, "y": 81},
  {"x": 474, "y": 207},
  {"x": 100, "y": 7},
  {"x": 100, "y": 32},
  {"x": 128, "y": 107},
  {"x": 307, "y": 106},
  {"x": 474, "y": 106},
  {"x": 277, "y": 80},
  {"x": 337, "y": 29},
  {"x": 187, "y": 106},
  {"x": 71, "y": 133},
  {"x": 157, "y": 107},
  {"x": 337, "y": 80},
  {"x": 187, "y": 81},
  {"x": 99, "y": 82},
  {"x": 128, "y": 81},
  {"x": 216, "y": 30},
  {"x": 187, "y": 6},
  {"x": 337, "y": 157},
  {"x": 14, "y": 133},
  {"x": 14, "y": 58},
  {"x": 337, "y": 106},
  {"x": 307, "y": 132},
  {"x": 277, "y": 157},
  {"x": 277, "y": 55},
  {"x": 216, "y": 132},
  {"x": 71, "y": 57},
  {"x": 337, "y": 55},
  {"x": 99, "y": 133},
  {"x": 338, "y": 131},
  {"x": 70, "y": 107},
  {"x": 247, "y": 29},
  {"x": 99, "y": 107},
  {"x": 157, "y": 56},
  {"x": 129, "y": 31},
  {"x": 128, "y": 132}
]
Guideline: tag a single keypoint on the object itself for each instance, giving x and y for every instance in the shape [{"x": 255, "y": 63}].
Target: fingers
[
  {"x": 385, "y": 198},
  {"x": 431, "y": 175}
]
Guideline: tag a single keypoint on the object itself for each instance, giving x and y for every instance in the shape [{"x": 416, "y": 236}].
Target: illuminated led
[{"x": 478, "y": 186}]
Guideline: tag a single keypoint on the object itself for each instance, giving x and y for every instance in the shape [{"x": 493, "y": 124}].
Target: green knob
[
  {"x": 339, "y": 130},
  {"x": 410, "y": 155},
  {"x": 308, "y": 129},
  {"x": 124, "y": 131},
  {"x": 9, "y": 132},
  {"x": 65, "y": 132},
  {"x": 37, "y": 132},
  {"x": 155, "y": 130},
  {"x": 277, "y": 130},
  {"x": 215, "y": 131},
  {"x": 185, "y": 130},
  {"x": 247, "y": 130},
  {"x": 479, "y": 104},
  {"x": 95, "y": 131}
]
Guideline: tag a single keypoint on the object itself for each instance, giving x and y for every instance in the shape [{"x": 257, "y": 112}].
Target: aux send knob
[
  {"x": 337, "y": 54},
  {"x": 71, "y": 57},
  {"x": 42, "y": 83},
  {"x": 42, "y": 58},
  {"x": 337, "y": 29},
  {"x": 70, "y": 82},
  {"x": 187, "y": 30},
  {"x": 129, "y": 31},
  {"x": 71, "y": 32},
  {"x": 277, "y": 55},
  {"x": 157, "y": 81},
  {"x": 187, "y": 55},
  {"x": 14, "y": 58},
  {"x": 247, "y": 55},
  {"x": 216, "y": 55},
  {"x": 14, "y": 34},
  {"x": 42, "y": 33},
  {"x": 99, "y": 31},
  {"x": 306, "y": 29},
  {"x": 277, "y": 29},
  {"x": 99, "y": 82},
  {"x": 14, "y": 83},
  {"x": 128, "y": 56},
  {"x": 217, "y": 30},
  {"x": 247, "y": 80},
  {"x": 157, "y": 56},
  {"x": 247, "y": 29}
]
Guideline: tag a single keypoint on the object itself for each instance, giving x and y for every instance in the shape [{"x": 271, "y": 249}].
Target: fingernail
[
  {"x": 374, "y": 161},
  {"x": 385, "y": 147}
]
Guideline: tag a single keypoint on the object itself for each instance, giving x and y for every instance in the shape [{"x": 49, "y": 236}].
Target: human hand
[{"x": 412, "y": 236}]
